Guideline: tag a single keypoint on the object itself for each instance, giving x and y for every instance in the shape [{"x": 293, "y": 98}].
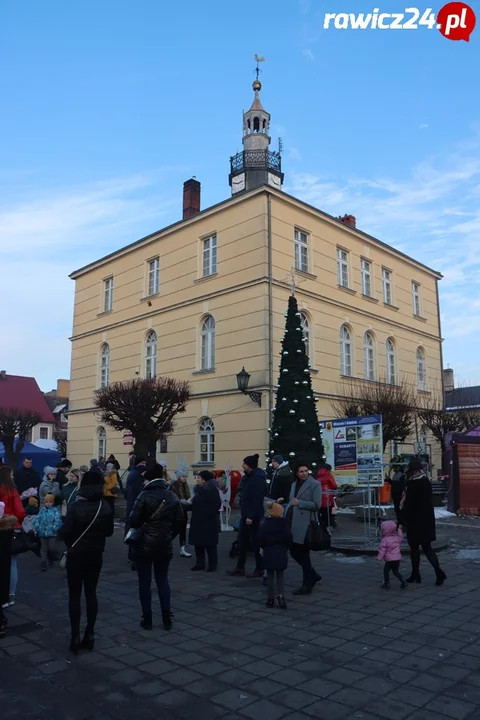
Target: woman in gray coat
[{"x": 305, "y": 502}]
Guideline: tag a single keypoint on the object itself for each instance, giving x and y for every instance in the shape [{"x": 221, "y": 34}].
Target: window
[
  {"x": 154, "y": 276},
  {"x": 342, "y": 267},
  {"x": 387, "y": 286},
  {"x": 207, "y": 359},
  {"x": 301, "y": 251},
  {"x": 107, "y": 294},
  {"x": 369, "y": 356},
  {"x": 151, "y": 355},
  {"x": 421, "y": 369},
  {"x": 210, "y": 256},
  {"x": 366, "y": 272},
  {"x": 43, "y": 433},
  {"x": 207, "y": 441},
  {"x": 306, "y": 333},
  {"x": 104, "y": 365},
  {"x": 345, "y": 351},
  {"x": 416, "y": 298},
  {"x": 391, "y": 362},
  {"x": 423, "y": 436},
  {"x": 101, "y": 443},
  {"x": 163, "y": 445}
]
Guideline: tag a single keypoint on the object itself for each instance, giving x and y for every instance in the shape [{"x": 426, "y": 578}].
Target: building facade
[
  {"x": 206, "y": 296},
  {"x": 22, "y": 394}
]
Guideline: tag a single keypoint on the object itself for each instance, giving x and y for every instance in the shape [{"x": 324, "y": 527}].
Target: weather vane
[
  {"x": 258, "y": 60},
  {"x": 293, "y": 280}
]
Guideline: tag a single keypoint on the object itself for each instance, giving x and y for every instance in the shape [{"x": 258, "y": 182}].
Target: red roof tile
[{"x": 23, "y": 393}]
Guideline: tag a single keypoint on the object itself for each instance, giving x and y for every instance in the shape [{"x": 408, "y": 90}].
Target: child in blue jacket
[{"x": 47, "y": 524}]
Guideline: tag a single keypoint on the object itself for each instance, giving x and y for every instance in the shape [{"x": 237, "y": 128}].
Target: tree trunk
[
  {"x": 147, "y": 448},
  {"x": 13, "y": 453}
]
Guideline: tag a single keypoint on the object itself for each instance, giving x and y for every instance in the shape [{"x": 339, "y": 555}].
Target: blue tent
[{"x": 40, "y": 457}]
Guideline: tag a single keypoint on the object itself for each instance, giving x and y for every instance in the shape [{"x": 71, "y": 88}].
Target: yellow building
[{"x": 206, "y": 296}]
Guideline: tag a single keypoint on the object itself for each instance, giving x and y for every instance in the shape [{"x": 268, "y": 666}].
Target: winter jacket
[
  {"x": 26, "y": 478},
  {"x": 114, "y": 462},
  {"x": 69, "y": 492},
  {"x": 79, "y": 516},
  {"x": 281, "y": 483},
  {"x": 253, "y": 494},
  {"x": 110, "y": 485},
  {"x": 133, "y": 488},
  {"x": 159, "y": 531},
  {"x": 204, "y": 522},
  {"x": 397, "y": 484},
  {"x": 13, "y": 504},
  {"x": 275, "y": 537},
  {"x": 389, "y": 549},
  {"x": 48, "y": 487},
  {"x": 62, "y": 478},
  {"x": 328, "y": 483},
  {"x": 309, "y": 498},
  {"x": 48, "y": 522},
  {"x": 417, "y": 514},
  {"x": 181, "y": 490}
]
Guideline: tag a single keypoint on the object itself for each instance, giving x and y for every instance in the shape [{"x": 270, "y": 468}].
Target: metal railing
[{"x": 256, "y": 159}]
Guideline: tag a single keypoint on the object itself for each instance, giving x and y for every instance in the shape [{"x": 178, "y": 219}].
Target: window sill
[
  {"x": 206, "y": 277},
  {"x": 423, "y": 391},
  {"x": 306, "y": 274},
  {"x": 420, "y": 317},
  {"x": 202, "y": 464},
  {"x": 369, "y": 298},
  {"x": 391, "y": 306},
  {"x": 207, "y": 371},
  {"x": 349, "y": 377},
  {"x": 104, "y": 312},
  {"x": 146, "y": 298},
  {"x": 347, "y": 290}
]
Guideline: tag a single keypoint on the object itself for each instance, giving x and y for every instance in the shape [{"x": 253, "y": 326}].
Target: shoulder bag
[
  {"x": 135, "y": 535},
  {"x": 63, "y": 559},
  {"x": 317, "y": 538}
]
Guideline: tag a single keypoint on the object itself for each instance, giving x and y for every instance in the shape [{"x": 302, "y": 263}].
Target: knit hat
[
  {"x": 91, "y": 477},
  {"x": 49, "y": 497},
  {"x": 252, "y": 461},
  {"x": 64, "y": 463},
  {"x": 93, "y": 462},
  {"x": 163, "y": 463},
  {"x": 206, "y": 475},
  {"x": 154, "y": 473},
  {"x": 275, "y": 510},
  {"x": 49, "y": 470},
  {"x": 278, "y": 459},
  {"x": 181, "y": 471},
  {"x": 110, "y": 466}
]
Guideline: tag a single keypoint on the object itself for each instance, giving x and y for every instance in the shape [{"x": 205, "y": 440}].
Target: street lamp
[{"x": 242, "y": 381}]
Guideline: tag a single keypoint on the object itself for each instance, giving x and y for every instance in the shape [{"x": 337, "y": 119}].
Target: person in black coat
[
  {"x": 252, "y": 499},
  {"x": 158, "y": 513},
  {"x": 26, "y": 477},
  {"x": 89, "y": 520},
  {"x": 418, "y": 517},
  {"x": 282, "y": 480},
  {"x": 275, "y": 537},
  {"x": 204, "y": 522}
]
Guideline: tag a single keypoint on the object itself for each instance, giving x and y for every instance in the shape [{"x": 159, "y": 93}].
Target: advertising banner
[{"x": 354, "y": 449}]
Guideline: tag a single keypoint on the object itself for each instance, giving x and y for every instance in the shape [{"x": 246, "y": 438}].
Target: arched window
[
  {"x": 391, "y": 362},
  {"x": 207, "y": 360},
  {"x": 207, "y": 440},
  {"x": 369, "y": 356},
  {"x": 104, "y": 365},
  {"x": 421, "y": 369},
  {"x": 345, "y": 351},
  {"x": 306, "y": 334},
  {"x": 256, "y": 124},
  {"x": 101, "y": 443},
  {"x": 151, "y": 355}
]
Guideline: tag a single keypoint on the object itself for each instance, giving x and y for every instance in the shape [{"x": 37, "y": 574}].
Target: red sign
[{"x": 127, "y": 437}]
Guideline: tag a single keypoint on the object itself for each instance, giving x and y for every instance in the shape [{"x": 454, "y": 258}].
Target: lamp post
[{"x": 242, "y": 381}]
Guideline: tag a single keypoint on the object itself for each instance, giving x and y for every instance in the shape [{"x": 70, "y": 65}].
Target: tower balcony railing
[{"x": 251, "y": 159}]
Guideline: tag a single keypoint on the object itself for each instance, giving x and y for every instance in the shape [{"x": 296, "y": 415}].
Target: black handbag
[
  {"x": 317, "y": 539},
  {"x": 20, "y": 543},
  {"x": 135, "y": 535}
]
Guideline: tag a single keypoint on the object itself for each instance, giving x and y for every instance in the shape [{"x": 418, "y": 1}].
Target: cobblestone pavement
[{"x": 350, "y": 650}]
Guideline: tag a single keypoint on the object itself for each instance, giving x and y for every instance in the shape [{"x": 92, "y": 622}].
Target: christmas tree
[{"x": 295, "y": 432}]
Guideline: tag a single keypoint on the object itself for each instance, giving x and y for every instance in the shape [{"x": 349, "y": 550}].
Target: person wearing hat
[
  {"x": 275, "y": 538},
  {"x": 204, "y": 525},
  {"x": 182, "y": 491},
  {"x": 252, "y": 497},
  {"x": 63, "y": 468},
  {"x": 49, "y": 484},
  {"x": 281, "y": 481}
]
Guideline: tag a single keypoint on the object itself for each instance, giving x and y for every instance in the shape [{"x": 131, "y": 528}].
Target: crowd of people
[{"x": 78, "y": 507}]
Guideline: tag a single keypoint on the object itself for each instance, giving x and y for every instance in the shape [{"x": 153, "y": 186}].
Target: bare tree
[
  {"x": 60, "y": 437},
  {"x": 145, "y": 407},
  {"x": 440, "y": 421},
  {"x": 16, "y": 425},
  {"x": 395, "y": 403}
]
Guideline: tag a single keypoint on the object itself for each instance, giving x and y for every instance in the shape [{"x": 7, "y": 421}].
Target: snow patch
[
  {"x": 349, "y": 559},
  {"x": 470, "y": 553},
  {"x": 441, "y": 512}
]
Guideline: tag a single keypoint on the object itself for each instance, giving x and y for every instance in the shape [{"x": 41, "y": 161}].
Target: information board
[{"x": 354, "y": 449}]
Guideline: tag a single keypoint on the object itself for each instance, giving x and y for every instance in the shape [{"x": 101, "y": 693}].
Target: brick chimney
[
  {"x": 191, "y": 198},
  {"x": 448, "y": 380},
  {"x": 3, "y": 374},
  {"x": 350, "y": 220}
]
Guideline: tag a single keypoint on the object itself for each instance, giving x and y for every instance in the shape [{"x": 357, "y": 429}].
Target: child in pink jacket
[{"x": 390, "y": 552}]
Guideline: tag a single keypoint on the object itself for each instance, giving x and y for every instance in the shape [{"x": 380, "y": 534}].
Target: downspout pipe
[{"x": 270, "y": 307}]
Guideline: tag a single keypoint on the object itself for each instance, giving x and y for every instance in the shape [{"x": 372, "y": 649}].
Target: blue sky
[{"x": 108, "y": 107}]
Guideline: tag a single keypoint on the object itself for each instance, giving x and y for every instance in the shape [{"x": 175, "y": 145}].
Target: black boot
[
  {"x": 74, "y": 644},
  {"x": 88, "y": 641},
  {"x": 146, "y": 622},
  {"x": 441, "y": 577},
  {"x": 270, "y": 603},
  {"x": 167, "y": 620}
]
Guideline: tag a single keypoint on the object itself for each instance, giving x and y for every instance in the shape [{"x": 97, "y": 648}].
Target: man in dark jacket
[
  {"x": 252, "y": 501},
  {"x": 134, "y": 486},
  {"x": 27, "y": 477},
  {"x": 281, "y": 481},
  {"x": 205, "y": 521},
  {"x": 63, "y": 468}
]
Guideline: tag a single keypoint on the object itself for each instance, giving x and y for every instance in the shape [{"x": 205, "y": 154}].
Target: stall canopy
[{"x": 40, "y": 456}]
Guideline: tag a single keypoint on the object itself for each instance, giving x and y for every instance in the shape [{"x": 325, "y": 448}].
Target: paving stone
[
  {"x": 390, "y": 709},
  {"x": 265, "y": 687},
  {"x": 234, "y": 699},
  {"x": 451, "y": 707},
  {"x": 414, "y": 696},
  {"x": 321, "y": 688},
  {"x": 295, "y": 699},
  {"x": 328, "y": 710},
  {"x": 263, "y": 710}
]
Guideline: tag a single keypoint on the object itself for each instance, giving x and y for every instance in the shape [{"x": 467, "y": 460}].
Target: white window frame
[
  {"x": 206, "y": 432},
  {"x": 101, "y": 448},
  {"x": 151, "y": 343},
  {"x": 416, "y": 299},
  {"x": 421, "y": 369},
  {"x": 302, "y": 259},
  {"x": 369, "y": 356},
  {"x": 207, "y": 343},
  {"x": 104, "y": 365},
  {"x": 153, "y": 277},
  {"x": 40, "y": 430},
  {"x": 391, "y": 358},
  {"x": 209, "y": 255},
  {"x": 387, "y": 286},
  {"x": 366, "y": 276},
  {"x": 342, "y": 267},
  {"x": 305, "y": 325},
  {"x": 346, "y": 353},
  {"x": 108, "y": 294}
]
